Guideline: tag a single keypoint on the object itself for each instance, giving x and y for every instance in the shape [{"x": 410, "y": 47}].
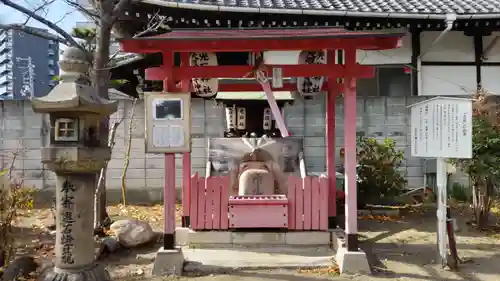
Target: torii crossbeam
[{"x": 259, "y": 40}]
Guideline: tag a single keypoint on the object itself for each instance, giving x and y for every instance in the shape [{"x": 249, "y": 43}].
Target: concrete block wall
[
  {"x": 147, "y": 170},
  {"x": 23, "y": 132},
  {"x": 379, "y": 117},
  {"x": 306, "y": 118}
]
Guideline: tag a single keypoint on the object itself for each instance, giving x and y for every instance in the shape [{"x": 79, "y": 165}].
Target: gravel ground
[{"x": 398, "y": 249}]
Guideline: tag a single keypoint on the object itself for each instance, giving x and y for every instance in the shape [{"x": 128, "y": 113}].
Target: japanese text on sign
[
  {"x": 168, "y": 135},
  {"x": 442, "y": 127},
  {"x": 201, "y": 85},
  {"x": 67, "y": 221}
]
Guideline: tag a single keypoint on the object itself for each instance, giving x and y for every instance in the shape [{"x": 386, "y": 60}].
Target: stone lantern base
[
  {"x": 96, "y": 273},
  {"x": 77, "y": 151}
]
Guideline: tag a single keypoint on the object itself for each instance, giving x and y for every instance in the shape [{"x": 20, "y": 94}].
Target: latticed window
[{"x": 66, "y": 129}]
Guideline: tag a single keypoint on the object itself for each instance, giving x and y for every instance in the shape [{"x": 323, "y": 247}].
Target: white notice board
[
  {"x": 168, "y": 122},
  {"x": 442, "y": 128},
  {"x": 168, "y": 136}
]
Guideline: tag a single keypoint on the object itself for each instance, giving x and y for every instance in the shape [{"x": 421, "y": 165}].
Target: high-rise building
[{"x": 28, "y": 65}]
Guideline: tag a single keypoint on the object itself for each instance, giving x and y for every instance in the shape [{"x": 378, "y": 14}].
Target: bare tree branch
[
  {"x": 152, "y": 26},
  {"x": 64, "y": 17},
  {"x": 120, "y": 7},
  {"x": 36, "y": 32},
  {"x": 39, "y": 8},
  {"x": 44, "y": 21},
  {"x": 92, "y": 15}
]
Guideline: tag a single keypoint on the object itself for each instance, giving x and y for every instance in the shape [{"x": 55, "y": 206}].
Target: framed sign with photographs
[
  {"x": 168, "y": 122},
  {"x": 167, "y": 109}
]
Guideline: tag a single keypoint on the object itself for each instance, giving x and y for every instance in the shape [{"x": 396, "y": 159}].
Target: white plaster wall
[
  {"x": 490, "y": 78},
  {"x": 489, "y": 74},
  {"x": 433, "y": 80},
  {"x": 395, "y": 56},
  {"x": 494, "y": 53},
  {"x": 448, "y": 81},
  {"x": 453, "y": 47}
]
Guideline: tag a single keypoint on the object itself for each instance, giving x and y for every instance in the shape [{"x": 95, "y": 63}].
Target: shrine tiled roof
[{"x": 464, "y": 9}]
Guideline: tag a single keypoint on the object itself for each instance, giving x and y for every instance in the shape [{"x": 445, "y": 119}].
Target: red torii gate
[{"x": 257, "y": 40}]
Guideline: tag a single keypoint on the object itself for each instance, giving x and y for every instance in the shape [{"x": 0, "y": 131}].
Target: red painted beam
[
  {"x": 240, "y": 71},
  {"x": 252, "y": 87},
  {"x": 258, "y": 88},
  {"x": 155, "y": 45}
]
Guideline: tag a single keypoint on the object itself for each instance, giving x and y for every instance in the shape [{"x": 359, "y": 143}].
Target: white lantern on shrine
[
  {"x": 267, "y": 120},
  {"x": 204, "y": 87},
  {"x": 310, "y": 86},
  {"x": 242, "y": 118},
  {"x": 230, "y": 118}
]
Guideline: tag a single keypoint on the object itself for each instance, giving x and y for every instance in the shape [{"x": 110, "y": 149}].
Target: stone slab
[
  {"x": 212, "y": 260},
  {"x": 168, "y": 262},
  {"x": 352, "y": 262},
  {"x": 181, "y": 236},
  {"x": 229, "y": 239},
  {"x": 258, "y": 238},
  {"x": 308, "y": 238},
  {"x": 198, "y": 238}
]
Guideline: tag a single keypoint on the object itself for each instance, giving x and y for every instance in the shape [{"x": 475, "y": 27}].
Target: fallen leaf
[{"x": 327, "y": 270}]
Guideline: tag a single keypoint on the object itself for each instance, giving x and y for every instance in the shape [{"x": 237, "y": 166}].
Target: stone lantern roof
[{"x": 74, "y": 93}]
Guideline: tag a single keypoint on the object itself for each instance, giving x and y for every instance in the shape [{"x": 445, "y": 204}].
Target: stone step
[
  {"x": 229, "y": 239},
  {"x": 215, "y": 260}
]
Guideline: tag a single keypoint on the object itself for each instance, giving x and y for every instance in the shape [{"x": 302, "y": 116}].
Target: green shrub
[
  {"x": 378, "y": 172},
  {"x": 458, "y": 192}
]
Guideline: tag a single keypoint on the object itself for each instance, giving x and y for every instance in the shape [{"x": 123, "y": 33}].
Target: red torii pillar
[
  {"x": 330, "y": 142},
  {"x": 169, "y": 198},
  {"x": 186, "y": 157},
  {"x": 350, "y": 159},
  {"x": 347, "y": 86}
]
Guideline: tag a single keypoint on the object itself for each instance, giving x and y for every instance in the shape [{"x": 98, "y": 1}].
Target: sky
[{"x": 59, "y": 12}]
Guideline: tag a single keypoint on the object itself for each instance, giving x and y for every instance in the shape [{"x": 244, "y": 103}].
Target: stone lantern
[{"x": 76, "y": 154}]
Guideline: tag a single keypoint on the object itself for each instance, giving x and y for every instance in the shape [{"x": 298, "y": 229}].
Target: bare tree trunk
[
  {"x": 98, "y": 194},
  {"x": 127, "y": 154},
  {"x": 108, "y": 12},
  {"x": 101, "y": 78},
  {"x": 475, "y": 199},
  {"x": 482, "y": 192}
]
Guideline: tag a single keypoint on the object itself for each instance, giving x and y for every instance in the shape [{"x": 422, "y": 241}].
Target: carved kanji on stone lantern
[{"x": 76, "y": 153}]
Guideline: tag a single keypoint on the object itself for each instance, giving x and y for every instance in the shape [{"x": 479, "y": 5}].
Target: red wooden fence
[
  {"x": 209, "y": 202},
  {"x": 307, "y": 203}
]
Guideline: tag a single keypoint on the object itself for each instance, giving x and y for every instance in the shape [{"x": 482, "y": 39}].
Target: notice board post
[{"x": 441, "y": 128}]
